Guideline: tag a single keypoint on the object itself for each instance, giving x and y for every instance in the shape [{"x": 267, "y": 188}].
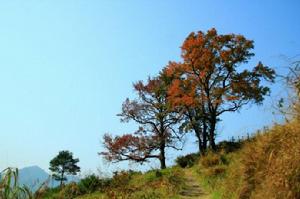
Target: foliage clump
[
  {"x": 93, "y": 183},
  {"x": 64, "y": 164},
  {"x": 156, "y": 119},
  {"x": 188, "y": 160},
  {"x": 153, "y": 184}
]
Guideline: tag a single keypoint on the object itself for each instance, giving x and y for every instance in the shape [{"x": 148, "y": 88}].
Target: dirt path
[{"x": 192, "y": 190}]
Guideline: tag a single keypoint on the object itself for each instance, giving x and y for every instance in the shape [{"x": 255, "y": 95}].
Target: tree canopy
[
  {"x": 212, "y": 79},
  {"x": 190, "y": 95},
  {"x": 64, "y": 164},
  {"x": 156, "y": 119}
]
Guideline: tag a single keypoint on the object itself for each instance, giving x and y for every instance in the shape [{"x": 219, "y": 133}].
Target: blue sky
[{"x": 66, "y": 66}]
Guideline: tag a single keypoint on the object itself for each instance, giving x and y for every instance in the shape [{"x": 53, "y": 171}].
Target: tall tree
[
  {"x": 182, "y": 96},
  {"x": 156, "y": 120},
  {"x": 64, "y": 164},
  {"x": 212, "y": 78}
]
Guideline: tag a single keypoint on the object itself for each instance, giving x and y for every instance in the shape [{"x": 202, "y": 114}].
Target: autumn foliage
[
  {"x": 190, "y": 95},
  {"x": 211, "y": 80},
  {"x": 156, "y": 119}
]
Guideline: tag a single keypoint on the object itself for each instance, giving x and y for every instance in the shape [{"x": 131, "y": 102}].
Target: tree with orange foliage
[
  {"x": 211, "y": 80},
  {"x": 181, "y": 96},
  {"x": 156, "y": 118}
]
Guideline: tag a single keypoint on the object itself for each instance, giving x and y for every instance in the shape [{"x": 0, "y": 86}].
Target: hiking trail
[{"x": 192, "y": 189}]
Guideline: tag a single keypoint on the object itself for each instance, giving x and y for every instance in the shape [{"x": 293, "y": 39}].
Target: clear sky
[{"x": 66, "y": 66}]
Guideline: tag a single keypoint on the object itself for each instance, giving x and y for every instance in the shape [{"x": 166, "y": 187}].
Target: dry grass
[
  {"x": 210, "y": 160},
  {"x": 268, "y": 166}
]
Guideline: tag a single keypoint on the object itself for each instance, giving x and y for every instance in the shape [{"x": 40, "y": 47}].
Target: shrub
[
  {"x": 229, "y": 146},
  {"x": 92, "y": 183},
  {"x": 120, "y": 185},
  {"x": 173, "y": 178},
  {"x": 158, "y": 174},
  {"x": 210, "y": 160},
  {"x": 48, "y": 192},
  {"x": 187, "y": 160},
  {"x": 69, "y": 191},
  {"x": 121, "y": 179},
  {"x": 215, "y": 171},
  {"x": 176, "y": 180}
]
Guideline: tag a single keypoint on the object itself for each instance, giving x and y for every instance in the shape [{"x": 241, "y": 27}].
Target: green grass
[
  {"x": 263, "y": 161},
  {"x": 266, "y": 166},
  {"x": 96, "y": 195},
  {"x": 153, "y": 184}
]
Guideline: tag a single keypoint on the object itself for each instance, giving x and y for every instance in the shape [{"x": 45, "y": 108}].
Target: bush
[
  {"x": 215, "y": 171},
  {"x": 87, "y": 185},
  {"x": 48, "y": 192},
  {"x": 69, "y": 191},
  {"x": 210, "y": 160},
  {"x": 176, "y": 180},
  {"x": 122, "y": 178},
  {"x": 158, "y": 174},
  {"x": 187, "y": 160},
  {"x": 92, "y": 183},
  {"x": 229, "y": 146}
]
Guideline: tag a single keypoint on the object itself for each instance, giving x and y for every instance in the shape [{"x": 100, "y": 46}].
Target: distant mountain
[{"x": 34, "y": 177}]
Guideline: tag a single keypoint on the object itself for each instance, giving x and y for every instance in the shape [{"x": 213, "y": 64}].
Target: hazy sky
[{"x": 67, "y": 66}]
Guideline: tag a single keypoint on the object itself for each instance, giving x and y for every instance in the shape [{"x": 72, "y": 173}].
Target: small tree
[
  {"x": 290, "y": 105},
  {"x": 64, "y": 164},
  {"x": 153, "y": 113}
]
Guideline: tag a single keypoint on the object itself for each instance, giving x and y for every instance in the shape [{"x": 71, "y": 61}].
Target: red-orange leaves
[
  {"x": 173, "y": 69},
  {"x": 225, "y": 55},
  {"x": 126, "y": 147},
  {"x": 232, "y": 98},
  {"x": 204, "y": 85},
  {"x": 208, "y": 79},
  {"x": 181, "y": 93},
  {"x": 152, "y": 111},
  {"x": 208, "y": 76}
]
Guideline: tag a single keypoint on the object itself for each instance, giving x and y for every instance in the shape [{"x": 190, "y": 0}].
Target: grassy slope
[
  {"x": 267, "y": 166},
  {"x": 96, "y": 195},
  {"x": 152, "y": 184},
  {"x": 153, "y": 188}
]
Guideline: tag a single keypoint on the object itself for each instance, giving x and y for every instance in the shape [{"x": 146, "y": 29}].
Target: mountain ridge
[{"x": 34, "y": 176}]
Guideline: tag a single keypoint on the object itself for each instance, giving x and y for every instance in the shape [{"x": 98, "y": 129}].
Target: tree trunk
[
  {"x": 162, "y": 157},
  {"x": 212, "y": 143},
  {"x": 62, "y": 178},
  {"x": 200, "y": 145},
  {"x": 204, "y": 135},
  {"x": 212, "y": 129}
]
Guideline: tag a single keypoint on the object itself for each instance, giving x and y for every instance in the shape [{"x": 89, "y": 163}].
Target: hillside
[
  {"x": 264, "y": 166},
  {"x": 32, "y": 177}
]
